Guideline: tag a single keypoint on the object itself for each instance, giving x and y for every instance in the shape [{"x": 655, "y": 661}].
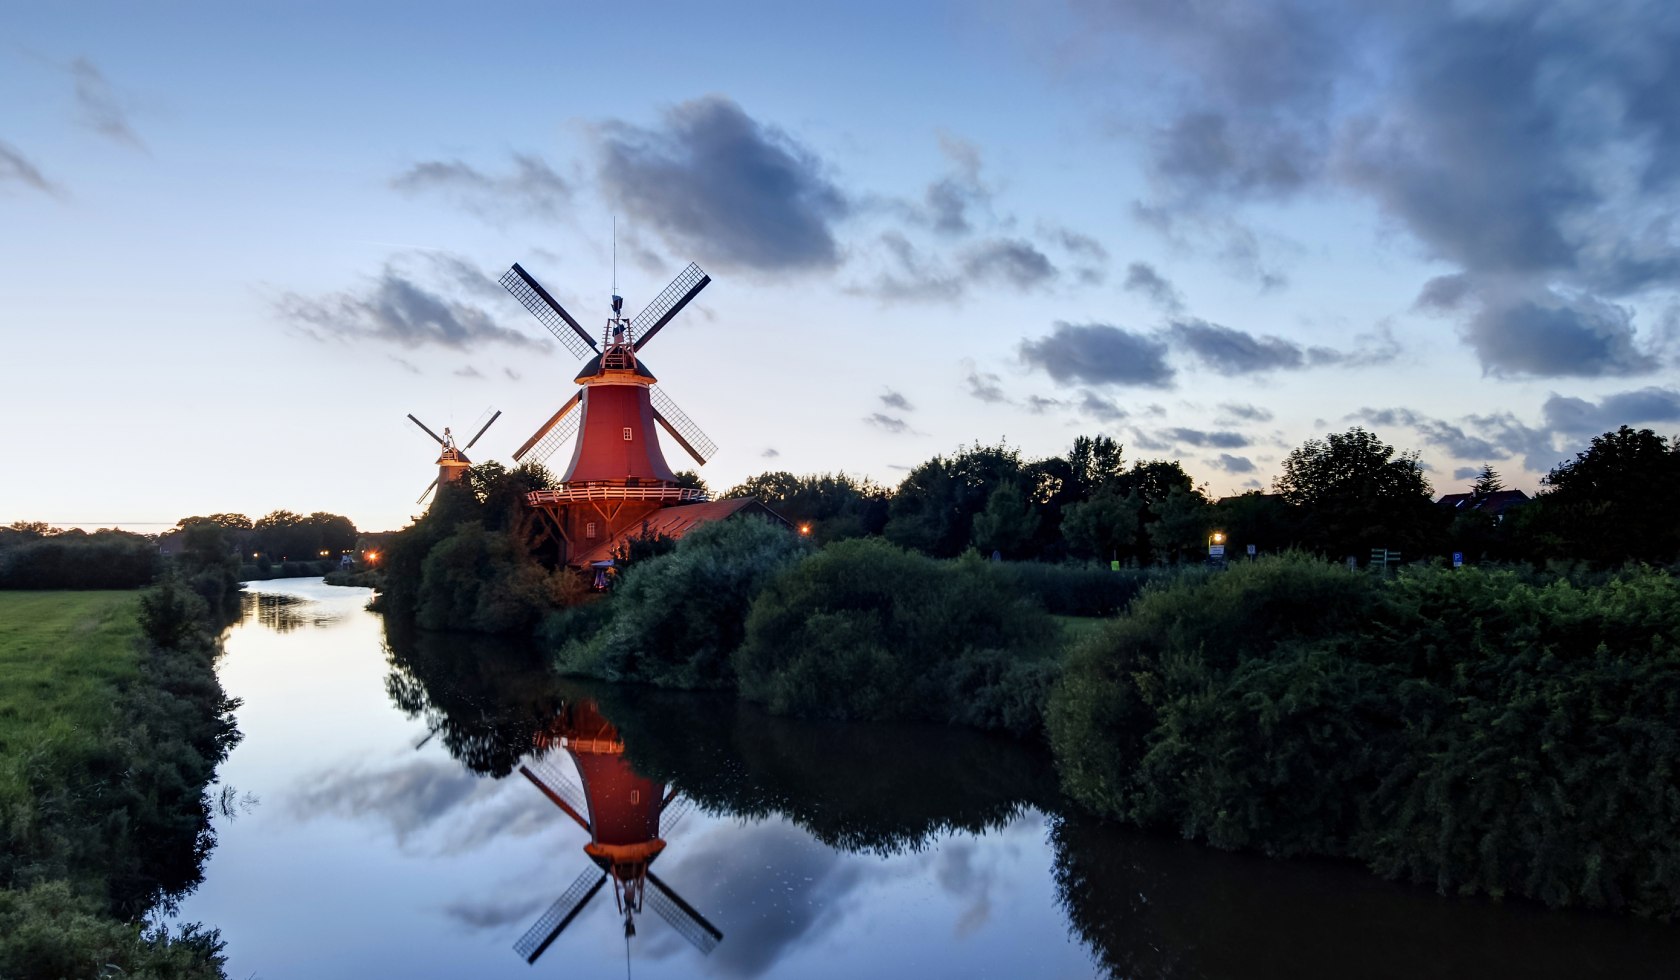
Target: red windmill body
[
  {"x": 623, "y": 811},
  {"x": 618, "y": 474}
]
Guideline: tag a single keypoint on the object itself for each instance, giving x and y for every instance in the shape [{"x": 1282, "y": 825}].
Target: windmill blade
[
  {"x": 681, "y": 427},
  {"x": 548, "y": 438},
  {"x": 547, "y": 309},
  {"x": 557, "y": 781},
  {"x": 563, "y": 795},
  {"x": 690, "y": 924},
  {"x": 668, "y": 304},
  {"x": 429, "y": 432},
  {"x": 551, "y": 923},
  {"x": 672, "y": 812},
  {"x": 426, "y": 492},
  {"x": 481, "y": 432}
]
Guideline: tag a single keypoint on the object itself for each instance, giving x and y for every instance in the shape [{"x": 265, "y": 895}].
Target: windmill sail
[
  {"x": 681, "y": 427},
  {"x": 556, "y": 781},
  {"x": 547, "y": 309},
  {"x": 690, "y": 924},
  {"x": 668, "y": 304},
  {"x": 429, "y": 432},
  {"x": 481, "y": 432},
  {"x": 424, "y": 493},
  {"x": 551, "y": 435},
  {"x": 551, "y": 923}
]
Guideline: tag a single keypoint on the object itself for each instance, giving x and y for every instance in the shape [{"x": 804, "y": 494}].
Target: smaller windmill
[
  {"x": 624, "y": 813},
  {"x": 452, "y": 463}
]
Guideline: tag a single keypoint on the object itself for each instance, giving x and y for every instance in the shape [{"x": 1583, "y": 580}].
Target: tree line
[{"x": 1342, "y": 495}]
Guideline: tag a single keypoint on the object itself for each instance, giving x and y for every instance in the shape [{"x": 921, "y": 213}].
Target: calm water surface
[{"x": 379, "y": 824}]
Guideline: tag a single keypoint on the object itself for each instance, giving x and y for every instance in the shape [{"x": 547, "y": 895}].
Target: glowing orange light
[{"x": 804, "y": 529}]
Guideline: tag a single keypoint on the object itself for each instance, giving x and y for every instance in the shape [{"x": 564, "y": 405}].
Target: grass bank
[
  {"x": 64, "y": 656},
  {"x": 111, "y": 725}
]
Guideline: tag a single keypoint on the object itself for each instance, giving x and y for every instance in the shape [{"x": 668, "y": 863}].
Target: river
[{"x": 399, "y": 807}]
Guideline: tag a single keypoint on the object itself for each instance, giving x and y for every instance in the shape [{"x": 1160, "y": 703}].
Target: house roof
[
  {"x": 674, "y": 522},
  {"x": 1497, "y": 502}
]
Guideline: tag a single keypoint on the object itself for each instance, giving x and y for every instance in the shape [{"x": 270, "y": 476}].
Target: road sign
[
  {"x": 1216, "y": 551},
  {"x": 1458, "y": 559},
  {"x": 1251, "y": 551}
]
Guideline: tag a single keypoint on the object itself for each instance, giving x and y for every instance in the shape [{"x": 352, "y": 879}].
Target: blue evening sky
[{"x": 239, "y": 242}]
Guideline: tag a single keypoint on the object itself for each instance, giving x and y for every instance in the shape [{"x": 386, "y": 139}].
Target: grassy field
[{"x": 62, "y": 655}]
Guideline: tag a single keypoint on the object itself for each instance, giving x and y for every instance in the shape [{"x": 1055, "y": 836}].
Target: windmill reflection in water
[{"x": 623, "y": 812}]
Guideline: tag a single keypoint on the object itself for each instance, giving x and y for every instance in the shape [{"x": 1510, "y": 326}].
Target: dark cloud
[
  {"x": 1075, "y": 243},
  {"x": 467, "y": 371},
  {"x": 101, "y": 109},
  {"x": 887, "y": 423},
  {"x": 1248, "y": 413},
  {"x": 893, "y": 399},
  {"x": 985, "y": 386},
  {"x": 1097, "y": 353},
  {"x": 1233, "y": 351},
  {"x": 531, "y": 190},
  {"x": 1546, "y": 335},
  {"x": 1213, "y": 153},
  {"x": 1038, "y": 404},
  {"x": 1141, "y": 277},
  {"x": 1467, "y": 472},
  {"x": 1234, "y": 464},
  {"x": 1579, "y": 417},
  {"x": 770, "y": 453},
  {"x": 1008, "y": 261},
  {"x": 14, "y": 166},
  {"x": 395, "y": 308},
  {"x": 1218, "y": 439},
  {"x": 512, "y": 375},
  {"x": 406, "y": 365},
  {"x": 1097, "y": 407},
  {"x": 1475, "y": 437},
  {"x": 494, "y": 913},
  {"x": 724, "y": 187}
]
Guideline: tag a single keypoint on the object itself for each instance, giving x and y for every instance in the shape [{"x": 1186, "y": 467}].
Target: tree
[
  {"x": 933, "y": 509},
  {"x": 1008, "y": 523},
  {"x": 1487, "y": 484},
  {"x": 1094, "y": 461},
  {"x": 1181, "y": 527},
  {"x": 1616, "y": 501},
  {"x": 835, "y": 505},
  {"x": 1104, "y": 527},
  {"x": 1353, "y": 491}
]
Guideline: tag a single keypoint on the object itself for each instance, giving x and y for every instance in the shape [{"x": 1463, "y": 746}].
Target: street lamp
[{"x": 1216, "y": 547}]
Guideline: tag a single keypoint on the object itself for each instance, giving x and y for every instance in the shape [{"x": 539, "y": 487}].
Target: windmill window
[
  {"x": 627, "y": 433},
  {"x": 589, "y": 530}
]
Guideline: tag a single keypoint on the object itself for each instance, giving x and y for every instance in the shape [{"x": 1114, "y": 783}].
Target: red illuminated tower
[
  {"x": 622, "y": 811},
  {"x": 617, "y": 475}
]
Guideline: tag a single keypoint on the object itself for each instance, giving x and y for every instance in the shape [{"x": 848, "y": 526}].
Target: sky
[{"x": 239, "y": 243}]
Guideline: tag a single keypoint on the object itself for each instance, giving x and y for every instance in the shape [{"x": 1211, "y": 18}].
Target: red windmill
[
  {"x": 617, "y": 475},
  {"x": 622, "y": 811}
]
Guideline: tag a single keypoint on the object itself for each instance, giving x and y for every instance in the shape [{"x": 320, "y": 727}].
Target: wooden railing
[{"x": 572, "y": 494}]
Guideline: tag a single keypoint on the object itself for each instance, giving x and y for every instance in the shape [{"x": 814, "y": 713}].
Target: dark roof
[
  {"x": 593, "y": 368},
  {"x": 674, "y": 522},
  {"x": 1497, "y": 502}
]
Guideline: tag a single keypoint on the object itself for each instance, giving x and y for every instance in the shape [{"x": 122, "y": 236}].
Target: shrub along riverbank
[
  {"x": 111, "y": 725},
  {"x": 1481, "y": 732}
]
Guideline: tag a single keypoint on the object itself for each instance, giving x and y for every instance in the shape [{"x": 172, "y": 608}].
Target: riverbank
[{"x": 111, "y": 725}]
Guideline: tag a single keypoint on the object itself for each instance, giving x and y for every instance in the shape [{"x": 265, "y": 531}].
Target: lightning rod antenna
[{"x": 615, "y": 254}]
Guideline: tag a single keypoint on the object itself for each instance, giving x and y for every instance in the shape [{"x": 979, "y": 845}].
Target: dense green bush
[
  {"x": 482, "y": 581},
  {"x": 866, "y": 630},
  {"x": 50, "y": 931},
  {"x": 104, "y": 560},
  {"x": 1083, "y": 590},
  {"x": 676, "y": 618},
  {"x": 1475, "y": 730}
]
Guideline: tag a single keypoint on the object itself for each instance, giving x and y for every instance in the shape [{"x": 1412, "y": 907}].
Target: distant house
[{"x": 1493, "y": 504}]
